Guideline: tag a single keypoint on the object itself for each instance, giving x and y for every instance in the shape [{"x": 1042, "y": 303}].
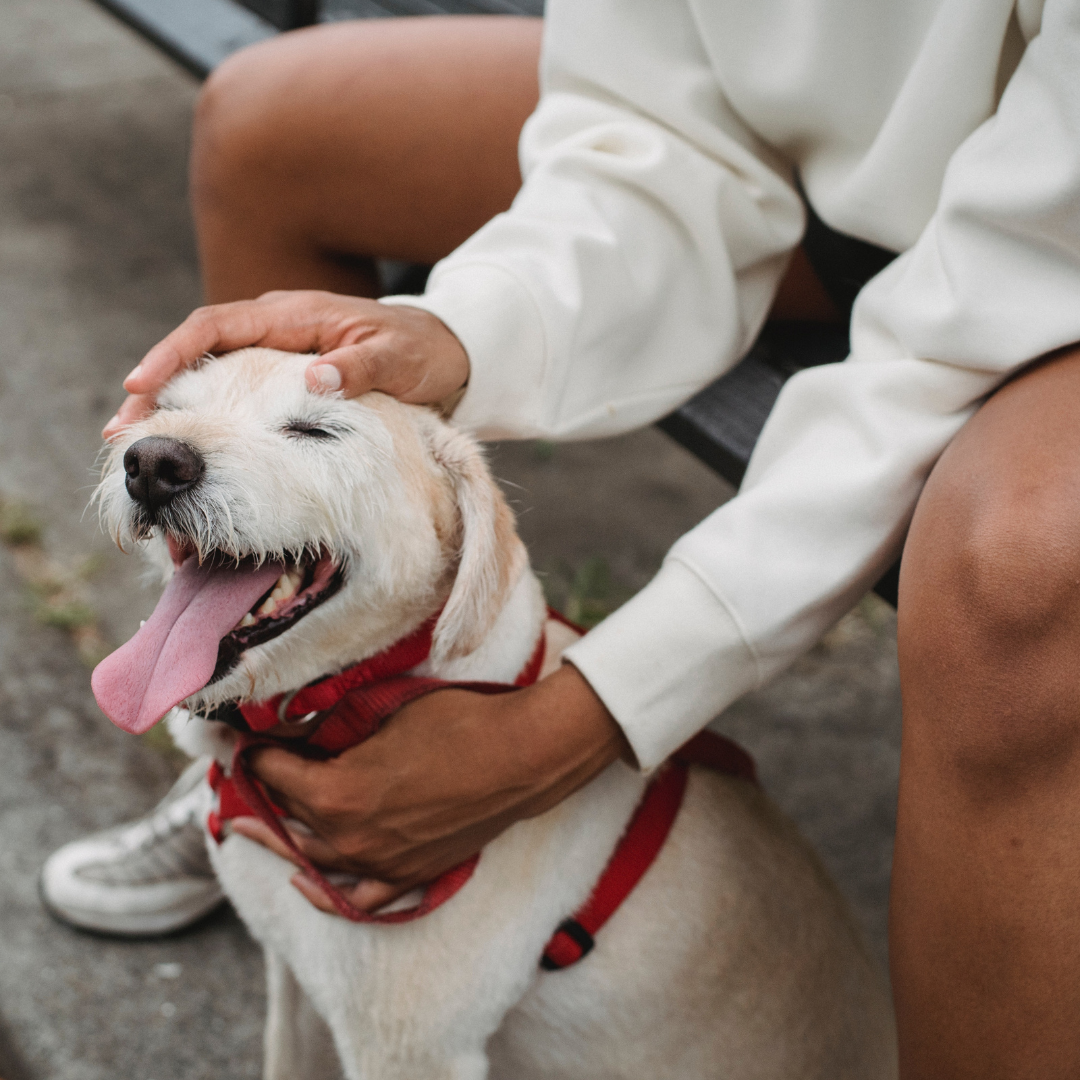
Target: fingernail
[
  {"x": 326, "y": 377},
  {"x": 111, "y": 427},
  {"x": 133, "y": 373}
]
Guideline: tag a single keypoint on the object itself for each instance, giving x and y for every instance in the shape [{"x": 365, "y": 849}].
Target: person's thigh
[
  {"x": 985, "y": 924},
  {"x": 393, "y": 138}
]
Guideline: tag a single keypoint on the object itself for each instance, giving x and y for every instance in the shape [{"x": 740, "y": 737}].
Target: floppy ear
[{"x": 491, "y": 557}]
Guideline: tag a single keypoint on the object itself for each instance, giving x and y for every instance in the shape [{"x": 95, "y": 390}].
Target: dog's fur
[{"x": 733, "y": 957}]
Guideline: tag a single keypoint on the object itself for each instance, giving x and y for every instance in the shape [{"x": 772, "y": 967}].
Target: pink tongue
[{"x": 175, "y": 652}]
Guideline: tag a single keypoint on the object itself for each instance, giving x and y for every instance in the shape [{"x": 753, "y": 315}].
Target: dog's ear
[{"x": 490, "y": 556}]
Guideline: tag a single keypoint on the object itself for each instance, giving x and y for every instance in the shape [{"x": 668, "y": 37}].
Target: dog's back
[{"x": 735, "y": 956}]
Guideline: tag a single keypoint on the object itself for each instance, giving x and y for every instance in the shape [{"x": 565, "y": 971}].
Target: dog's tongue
[{"x": 175, "y": 652}]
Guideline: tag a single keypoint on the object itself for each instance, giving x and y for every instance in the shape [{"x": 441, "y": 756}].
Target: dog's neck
[{"x": 507, "y": 646}]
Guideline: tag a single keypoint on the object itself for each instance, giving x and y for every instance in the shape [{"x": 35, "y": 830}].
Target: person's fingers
[
  {"x": 367, "y": 895},
  {"x": 317, "y": 850},
  {"x": 419, "y": 371},
  {"x": 312, "y": 893},
  {"x": 254, "y": 829},
  {"x": 134, "y": 407},
  {"x": 352, "y": 369},
  {"x": 295, "y": 783},
  {"x": 407, "y": 353},
  {"x": 301, "y": 321},
  {"x": 370, "y": 895},
  {"x": 220, "y": 328}
]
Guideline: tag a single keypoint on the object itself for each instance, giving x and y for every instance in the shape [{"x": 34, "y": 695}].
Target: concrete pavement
[{"x": 96, "y": 263}]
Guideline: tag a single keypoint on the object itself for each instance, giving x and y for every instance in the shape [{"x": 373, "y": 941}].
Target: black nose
[{"x": 159, "y": 469}]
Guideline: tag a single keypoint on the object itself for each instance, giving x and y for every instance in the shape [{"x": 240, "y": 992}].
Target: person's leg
[
  {"x": 321, "y": 149},
  {"x": 985, "y": 916}
]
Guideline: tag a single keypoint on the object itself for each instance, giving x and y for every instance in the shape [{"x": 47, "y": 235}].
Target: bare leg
[
  {"x": 321, "y": 149},
  {"x": 985, "y": 918}
]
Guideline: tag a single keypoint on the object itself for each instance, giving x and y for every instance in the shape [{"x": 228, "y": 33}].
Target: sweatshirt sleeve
[
  {"x": 638, "y": 263},
  {"x": 640, "y": 257},
  {"x": 992, "y": 283}
]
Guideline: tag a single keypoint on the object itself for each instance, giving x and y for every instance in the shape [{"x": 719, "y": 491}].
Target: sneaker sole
[{"x": 158, "y": 924}]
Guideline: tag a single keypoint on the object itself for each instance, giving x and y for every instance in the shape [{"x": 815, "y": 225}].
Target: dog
[{"x": 316, "y": 532}]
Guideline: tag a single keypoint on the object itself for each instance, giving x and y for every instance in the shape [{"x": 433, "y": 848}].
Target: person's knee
[
  {"x": 989, "y": 625},
  {"x": 234, "y": 127},
  {"x": 270, "y": 111}
]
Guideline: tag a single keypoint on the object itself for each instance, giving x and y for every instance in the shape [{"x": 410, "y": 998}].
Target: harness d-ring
[
  {"x": 284, "y": 703},
  {"x": 283, "y": 708}
]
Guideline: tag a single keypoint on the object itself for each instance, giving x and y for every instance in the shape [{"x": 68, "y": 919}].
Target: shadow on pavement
[{"x": 12, "y": 1066}]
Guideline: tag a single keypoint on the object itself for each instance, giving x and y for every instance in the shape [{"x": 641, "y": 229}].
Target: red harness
[{"x": 329, "y": 716}]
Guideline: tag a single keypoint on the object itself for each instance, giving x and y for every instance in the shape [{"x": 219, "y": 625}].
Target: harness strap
[
  {"x": 641, "y": 843},
  {"x": 634, "y": 854},
  {"x": 345, "y": 709}
]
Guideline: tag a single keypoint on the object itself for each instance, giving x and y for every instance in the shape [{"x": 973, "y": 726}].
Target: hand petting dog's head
[{"x": 307, "y": 532}]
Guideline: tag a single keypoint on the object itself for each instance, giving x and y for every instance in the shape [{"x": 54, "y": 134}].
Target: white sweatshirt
[{"x": 641, "y": 256}]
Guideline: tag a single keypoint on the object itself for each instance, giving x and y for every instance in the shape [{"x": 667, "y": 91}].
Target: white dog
[{"x": 347, "y": 524}]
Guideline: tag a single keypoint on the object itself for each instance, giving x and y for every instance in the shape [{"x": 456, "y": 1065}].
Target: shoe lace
[{"x": 165, "y": 845}]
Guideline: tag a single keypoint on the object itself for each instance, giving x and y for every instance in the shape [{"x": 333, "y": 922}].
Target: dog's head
[{"x": 302, "y": 533}]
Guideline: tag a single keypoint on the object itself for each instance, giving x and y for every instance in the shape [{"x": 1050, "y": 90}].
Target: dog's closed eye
[{"x": 304, "y": 429}]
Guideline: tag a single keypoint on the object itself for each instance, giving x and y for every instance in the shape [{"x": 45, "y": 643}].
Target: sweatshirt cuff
[
  {"x": 497, "y": 322},
  {"x": 666, "y": 662}
]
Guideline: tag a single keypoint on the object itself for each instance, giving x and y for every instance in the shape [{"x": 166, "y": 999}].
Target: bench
[{"x": 721, "y": 424}]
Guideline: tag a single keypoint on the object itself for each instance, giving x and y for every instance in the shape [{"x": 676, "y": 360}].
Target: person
[{"x": 657, "y": 225}]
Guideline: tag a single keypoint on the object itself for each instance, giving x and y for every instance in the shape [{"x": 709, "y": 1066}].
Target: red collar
[
  {"x": 402, "y": 656},
  {"x": 357, "y": 700},
  {"x": 345, "y": 709}
]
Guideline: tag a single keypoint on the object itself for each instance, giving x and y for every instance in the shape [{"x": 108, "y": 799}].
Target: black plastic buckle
[{"x": 578, "y": 935}]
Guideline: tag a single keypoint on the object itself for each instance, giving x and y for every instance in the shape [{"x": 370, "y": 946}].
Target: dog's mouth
[
  {"x": 301, "y": 588},
  {"x": 210, "y": 613}
]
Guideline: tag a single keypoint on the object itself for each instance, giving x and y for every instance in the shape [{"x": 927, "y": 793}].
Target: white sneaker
[{"x": 151, "y": 876}]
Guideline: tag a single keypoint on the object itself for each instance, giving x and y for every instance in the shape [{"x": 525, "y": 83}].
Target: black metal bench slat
[
  {"x": 201, "y": 33},
  {"x": 197, "y": 33},
  {"x": 721, "y": 424}
]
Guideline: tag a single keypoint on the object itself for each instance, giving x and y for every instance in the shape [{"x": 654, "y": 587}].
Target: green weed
[
  {"x": 67, "y": 616},
  {"x": 585, "y": 595},
  {"x": 17, "y": 524}
]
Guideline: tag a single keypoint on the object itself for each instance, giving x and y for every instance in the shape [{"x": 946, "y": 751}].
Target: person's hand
[
  {"x": 447, "y": 774},
  {"x": 361, "y": 345}
]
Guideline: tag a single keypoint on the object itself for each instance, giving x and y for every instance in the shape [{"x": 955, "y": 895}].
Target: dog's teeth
[
  {"x": 284, "y": 589},
  {"x": 286, "y": 585}
]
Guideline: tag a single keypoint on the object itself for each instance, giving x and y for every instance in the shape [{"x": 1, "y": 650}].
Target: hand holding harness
[{"x": 329, "y": 716}]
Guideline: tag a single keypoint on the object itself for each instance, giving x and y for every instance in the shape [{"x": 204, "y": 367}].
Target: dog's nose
[{"x": 159, "y": 469}]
